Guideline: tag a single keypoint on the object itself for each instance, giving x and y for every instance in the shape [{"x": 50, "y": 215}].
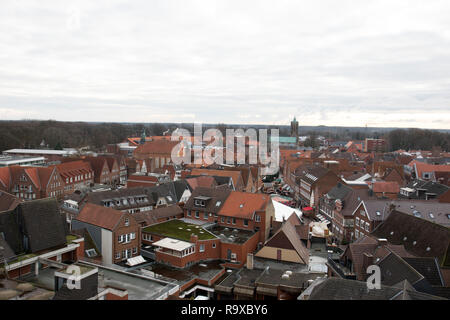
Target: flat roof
[
  {"x": 39, "y": 151},
  {"x": 173, "y": 244},
  {"x": 7, "y": 160},
  {"x": 179, "y": 229}
]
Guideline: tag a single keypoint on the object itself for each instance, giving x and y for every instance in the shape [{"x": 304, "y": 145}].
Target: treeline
[
  {"x": 57, "y": 134},
  {"x": 30, "y": 133},
  {"x": 417, "y": 139}
]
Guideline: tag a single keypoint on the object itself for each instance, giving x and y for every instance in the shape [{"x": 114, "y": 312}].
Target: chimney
[
  {"x": 193, "y": 239},
  {"x": 250, "y": 261},
  {"x": 382, "y": 242},
  {"x": 367, "y": 261}
]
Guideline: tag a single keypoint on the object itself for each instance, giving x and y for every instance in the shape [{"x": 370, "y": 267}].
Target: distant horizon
[
  {"x": 234, "y": 124},
  {"x": 335, "y": 63}
]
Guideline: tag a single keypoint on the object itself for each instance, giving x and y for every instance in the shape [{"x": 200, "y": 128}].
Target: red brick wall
[
  {"x": 111, "y": 296},
  {"x": 121, "y": 229}
]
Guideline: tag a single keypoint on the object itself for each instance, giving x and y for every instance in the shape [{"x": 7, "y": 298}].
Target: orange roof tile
[{"x": 244, "y": 204}]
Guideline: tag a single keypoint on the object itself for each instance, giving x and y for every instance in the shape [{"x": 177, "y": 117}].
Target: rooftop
[
  {"x": 179, "y": 229},
  {"x": 232, "y": 235}
]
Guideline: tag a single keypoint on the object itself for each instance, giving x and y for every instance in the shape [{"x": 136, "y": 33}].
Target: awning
[
  {"x": 307, "y": 209},
  {"x": 135, "y": 261}
]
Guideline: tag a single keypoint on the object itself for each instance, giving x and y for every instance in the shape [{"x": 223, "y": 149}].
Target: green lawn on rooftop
[{"x": 172, "y": 229}]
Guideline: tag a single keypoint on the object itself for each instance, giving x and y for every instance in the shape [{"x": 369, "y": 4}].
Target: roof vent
[
  {"x": 285, "y": 276},
  {"x": 428, "y": 249}
]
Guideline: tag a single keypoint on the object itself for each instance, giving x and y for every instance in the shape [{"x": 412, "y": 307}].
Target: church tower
[
  {"x": 294, "y": 129},
  {"x": 143, "y": 137}
]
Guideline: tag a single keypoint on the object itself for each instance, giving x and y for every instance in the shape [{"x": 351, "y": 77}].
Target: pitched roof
[
  {"x": 419, "y": 236},
  {"x": 152, "y": 216},
  {"x": 311, "y": 173},
  {"x": 370, "y": 246},
  {"x": 73, "y": 168},
  {"x": 201, "y": 181},
  {"x": 43, "y": 224},
  {"x": 235, "y": 175},
  {"x": 344, "y": 289},
  {"x": 213, "y": 205},
  {"x": 8, "y": 202},
  {"x": 428, "y": 267},
  {"x": 287, "y": 238},
  {"x": 161, "y": 146},
  {"x": 394, "y": 270},
  {"x": 100, "y": 216},
  {"x": 244, "y": 205}
]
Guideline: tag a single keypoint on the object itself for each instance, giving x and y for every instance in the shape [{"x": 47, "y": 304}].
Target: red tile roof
[
  {"x": 387, "y": 187},
  {"x": 100, "y": 216},
  {"x": 244, "y": 204},
  {"x": 156, "y": 147},
  {"x": 234, "y": 175},
  {"x": 202, "y": 181}
]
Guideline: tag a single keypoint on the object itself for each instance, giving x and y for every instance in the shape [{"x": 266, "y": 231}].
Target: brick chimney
[
  {"x": 367, "y": 261},
  {"x": 193, "y": 239}
]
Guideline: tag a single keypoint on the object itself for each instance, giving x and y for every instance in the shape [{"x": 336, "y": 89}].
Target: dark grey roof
[
  {"x": 211, "y": 205},
  {"x": 394, "y": 270},
  {"x": 340, "y": 191},
  {"x": 431, "y": 210},
  {"x": 377, "y": 210},
  {"x": 419, "y": 236},
  {"x": 5, "y": 250},
  {"x": 345, "y": 289},
  {"x": 42, "y": 224},
  {"x": 88, "y": 289},
  {"x": 311, "y": 173},
  {"x": 9, "y": 228},
  {"x": 425, "y": 189},
  {"x": 429, "y": 268}
]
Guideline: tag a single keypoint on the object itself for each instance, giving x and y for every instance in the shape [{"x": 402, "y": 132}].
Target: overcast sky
[{"x": 345, "y": 63}]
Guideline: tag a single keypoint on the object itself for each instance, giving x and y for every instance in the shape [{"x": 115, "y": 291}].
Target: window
[
  {"x": 214, "y": 245},
  {"x": 117, "y": 255},
  {"x": 246, "y": 222},
  {"x": 91, "y": 253},
  {"x": 356, "y": 233},
  {"x": 133, "y": 236},
  {"x": 222, "y": 219},
  {"x": 127, "y": 222},
  {"x": 362, "y": 213},
  {"x": 357, "y": 221},
  {"x": 189, "y": 213},
  {"x": 234, "y": 220},
  {"x": 120, "y": 239},
  {"x": 258, "y": 218},
  {"x": 228, "y": 220},
  {"x": 135, "y": 250},
  {"x": 206, "y": 215},
  {"x": 202, "y": 248},
  {"x": 367, "y": 226}
]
